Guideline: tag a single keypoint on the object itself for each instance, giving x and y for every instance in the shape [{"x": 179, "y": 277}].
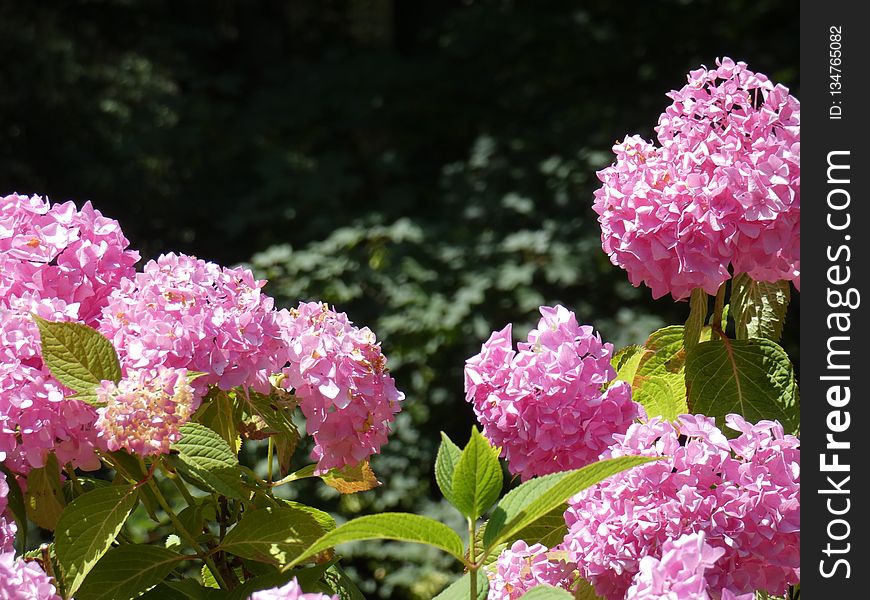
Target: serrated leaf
[
  {"x": 324, "y": 519},
  {"x": 625, "y": 363},
  {"x": 445, "y": 465},
  {"x": 547, "y": 592},
  {"x": 218, "y": 414},
  {"x": 697, "y": 316},
  {"x": 128, "y": 571},
  {"x": 536, "y": 497},
  {"x": 208, "y": 579},
  {"x": 206, "y": 457},
  {"x": 70, "y": 491},
  {"x": 352, "y": 478},
  {"x": 759, "y": 307},
  {"x": 336, "y": 581},
  {"x": 662, "y": 397},
  {"x": 549, "y": 530},
  {"x": 77, "y": 355},
  {"x": 274, "y": 535},
  {"x": 389, "y": 526},
  {"x": 477, "y": 480},
  {"x": 16, "y": 504},
  {"x": 664, "y": 357},
  {"x": 460, "y": 589},
  {"x": 753, "y": 378},
  {"x": 87, "y": 528},
  {"x": 44, "y": 499}
]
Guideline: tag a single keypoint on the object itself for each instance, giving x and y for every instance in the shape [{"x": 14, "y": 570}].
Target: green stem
[
  {"x": 269, "y": 459},
  {"x": 176, "y": 522},
  {"x": 473, "y": 566},
  {"x": 718, "y": 308},
  {"x": 697, "y": 314},
  {"x": 74, "y": 480}
]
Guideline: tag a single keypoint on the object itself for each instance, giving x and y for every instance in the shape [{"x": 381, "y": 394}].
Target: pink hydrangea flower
[
  {"x": 679, "y": 573},
  {"x": 184, "y": 313},
  {"x": 36, "y": 417},
  {"x": 144, "y": 410},
  {"x": 543, "y": 404},
  {"x": 58, "y": 252},
  {"x": 345, "y": 390},
  {"x": 744, "y": 494},
  {"x": 522, "y": 567},
  {"x": 721, "y": 190},
  {"x": 289, "y": 591},
  {"x": 7, "y": 527},
  {"x": 24, "y": 580}
]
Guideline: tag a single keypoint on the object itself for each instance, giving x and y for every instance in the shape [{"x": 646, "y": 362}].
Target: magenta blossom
[
  {"x": 720, "y": 191},
  {"x": 345, "y": 391},
  {"x": 743, "y": 494},
  {"x": 290, "y": 591},
  {"x": 545, "y": 404},
  {"x": 522, "y": 567},
  {"x": 185, "y": 313},
  {"x": 57, "y": 252}
]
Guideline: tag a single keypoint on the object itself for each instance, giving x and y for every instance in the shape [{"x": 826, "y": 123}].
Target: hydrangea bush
[{"x": 639, "y": 473}]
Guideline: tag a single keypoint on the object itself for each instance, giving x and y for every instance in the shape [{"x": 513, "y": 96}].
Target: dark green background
[{"x": 428, "y": 167}]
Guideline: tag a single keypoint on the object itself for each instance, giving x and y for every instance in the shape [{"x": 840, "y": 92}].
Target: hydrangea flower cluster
[
  {"x": 24, "y": 580},
  {"x": 543, "y": 404},
  {"x": 35, "y": 415},
  {"x": 722, "y": 188},
  {"x": 522, "y": 567},
  {"x": 144, "y": 411},
  {"x": 290, "y": 591},
  {"x": 184, "y": 313},
  {"x": 679, "y": 573},
  {"x": 744, "y": 494},
  {"x": 58, "y": 252},
  {"x": 19, "y": 579},
  {"x": 345, "y": 390}
]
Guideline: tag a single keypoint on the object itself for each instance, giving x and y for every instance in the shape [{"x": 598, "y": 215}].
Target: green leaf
[
  {"x": 16, "y": 505},
  {"x": 274, "y": 535},
  {"x": 459, "y": 589},
  {"x": 190, "y": 588},
  {"x": 389, "y": 526},
  {"x": 336, "y": 581},
  {"x": 477, "y": 480},
  {"x": 549, "y": 530},
  {"x": 536, "y": 497},
  {"x": 71, "y": 492},
  {"x": 662, "y": 397},
  {"x": 697, "y": 316},
  {"x": 206, "y": 457},
  {"x": 77, "y": 355},
  {"x": 44, "y": 497},
  {"x": 218, "y": 414},
  {"x": 127, "y": 571},
  {"x": 445, "y": 465},
  {"x": 87, "y": 528},
  {"x": 625, "y": 363},
  {"x": 324, "y": 519},
  {"x": 664, "y": 354},
  {"x": 306, "y": 577},
  {"x": 754, "y": 378},
  {"x": 758, "y": 307},
  {"x": 547, "y": 592},
  {"x": 162, "y": 591}
]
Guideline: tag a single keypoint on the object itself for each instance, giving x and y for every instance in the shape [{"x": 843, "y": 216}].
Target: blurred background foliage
[{"x": 427, "y": 167}]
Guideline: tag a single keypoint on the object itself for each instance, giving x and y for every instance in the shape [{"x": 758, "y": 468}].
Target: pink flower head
[
  {"x": 743, "y": 494},
  {"x": 24, "y": 580},
  {"x": 721, "y": 189},
  {"x": 679, "y": 574},
  {"x": 185, "y": 313},
  {"x": 289, "y": 591},
  {"x": 57, "y": 252},
  {"x": 144, "y": 411},
  {"x": 345, "y": 390},
  {"x": 522, "y": 567},
  {"x": 545, "y": 404},
  {"x": 7, "y": 527},
  {"x": 36, "y": 417}
]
